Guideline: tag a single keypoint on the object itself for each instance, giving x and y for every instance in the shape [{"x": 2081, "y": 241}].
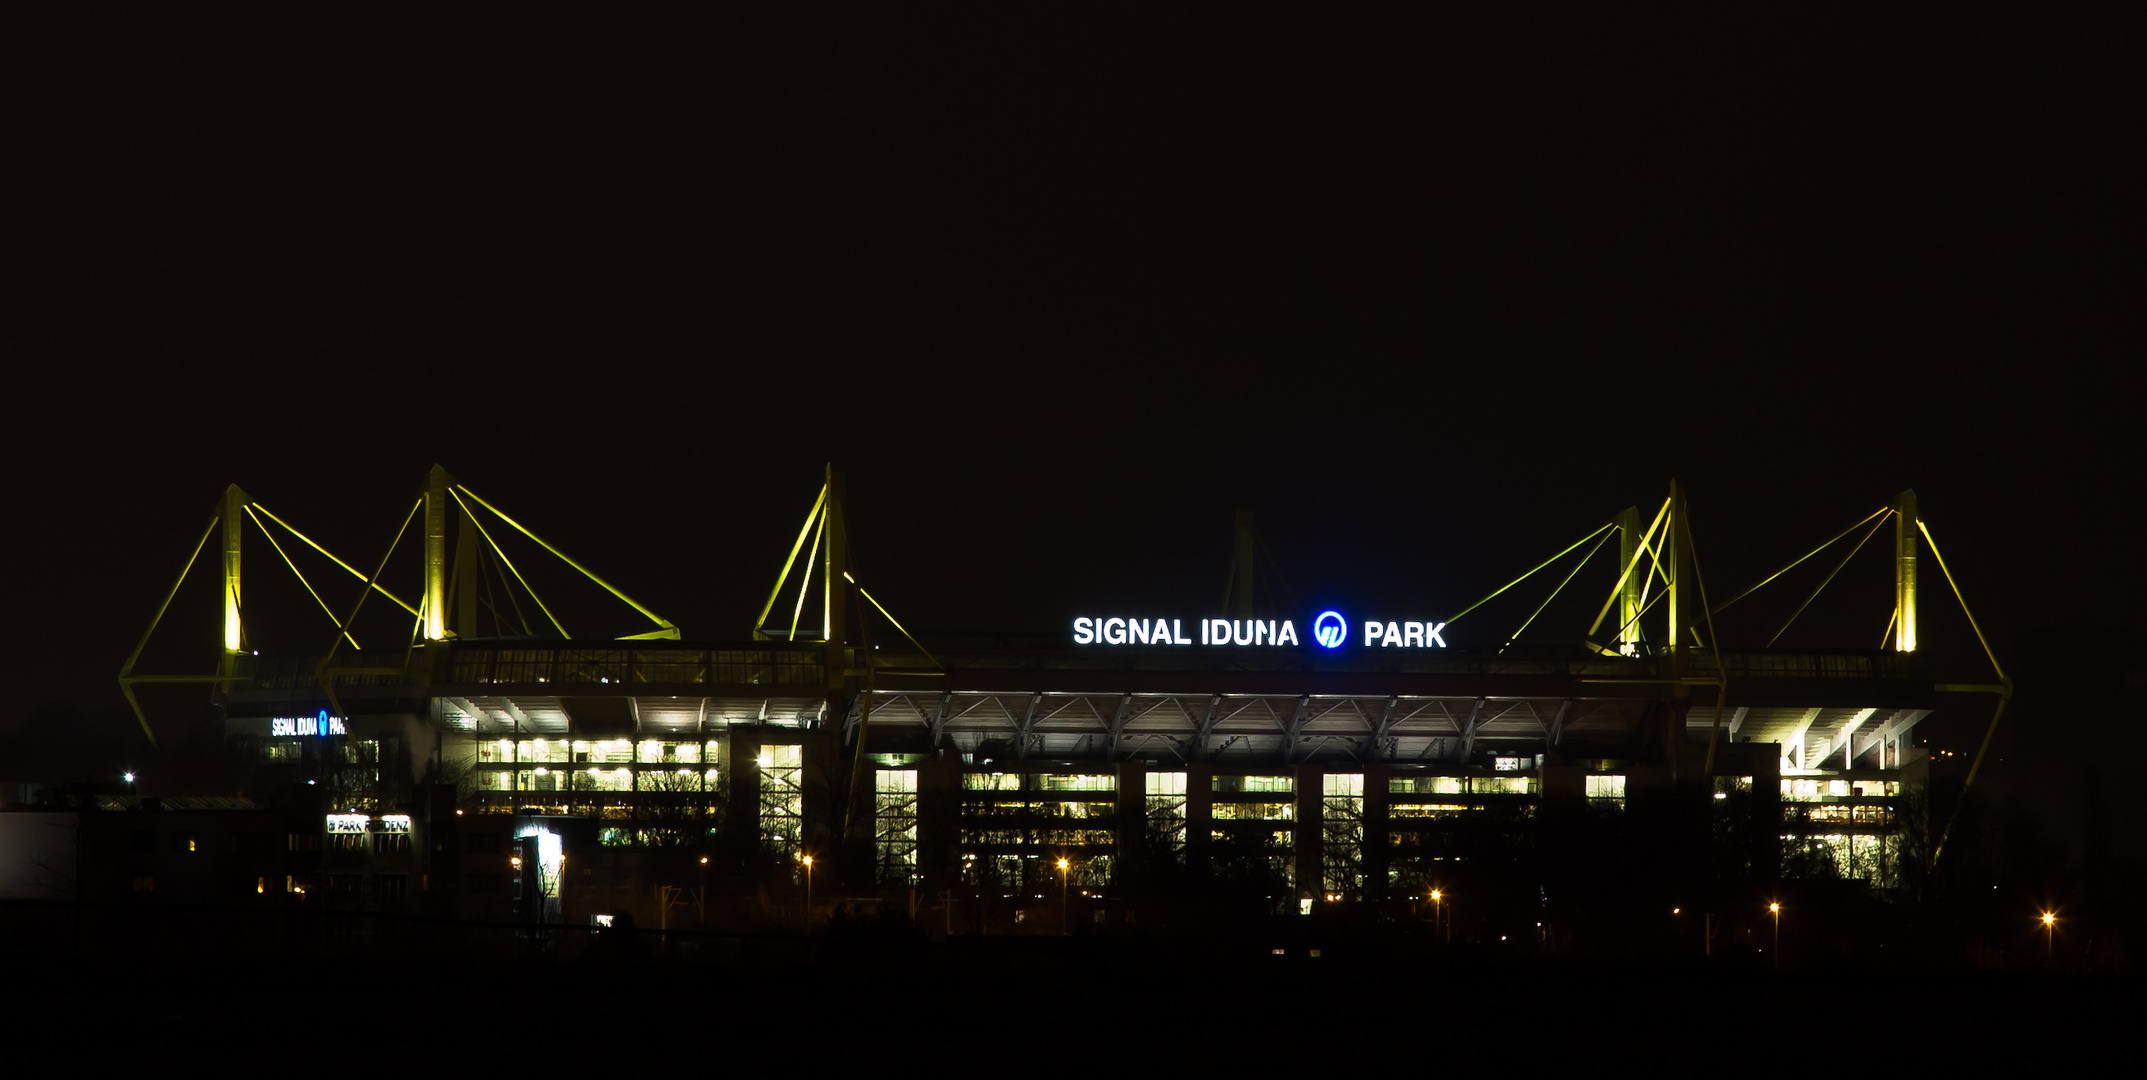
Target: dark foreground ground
[{"x": 1020, "y": 1007}]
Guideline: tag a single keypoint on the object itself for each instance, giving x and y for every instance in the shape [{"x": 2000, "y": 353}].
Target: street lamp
[
  {"x": 808, "y": 894},
  {"x": 1438, "y": 913},
  {"x": 1065, "y": 924},
  {"x": 1776, "y": 910},
  {"x": 2050, "y": 929}
]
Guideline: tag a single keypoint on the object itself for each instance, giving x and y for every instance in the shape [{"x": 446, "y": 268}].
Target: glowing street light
[
  {"x": 808, "y": 894},
  {"x": 1776, "y": 910},
  {"x": 2050, "y": 929},
  {"x": 1438, "y": 911}
]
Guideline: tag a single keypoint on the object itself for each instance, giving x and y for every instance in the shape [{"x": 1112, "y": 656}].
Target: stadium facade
[{"x": 1348, "y": 757}]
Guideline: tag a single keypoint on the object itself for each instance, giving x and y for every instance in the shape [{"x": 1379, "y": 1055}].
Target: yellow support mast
[{"x": 1906, "y": 527}]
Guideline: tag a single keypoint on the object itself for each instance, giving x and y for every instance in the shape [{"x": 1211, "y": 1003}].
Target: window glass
[
  {"x": 895, "y": 825},
  {"x": 1342, "y": 834},
  {"x": 782, "y": 799},
  {"x": 1424, "y": 785},
  {"x": 1281, "y": 785},
  {"x": 1165, "y": 783},
  {"x": 1254, "y": 811},
  {"x": 1503, "y": 785},
  {"x": 1076, "y": 782},
  {"x": 1342, "y": 784}
]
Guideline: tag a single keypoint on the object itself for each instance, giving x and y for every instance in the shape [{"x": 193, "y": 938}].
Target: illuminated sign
[
  {"x": 361, "y": 823},
  {"x": 1135, "y": 632},
  {"x": 1408, "y": 635},
  {"x": 1330, "y": 630},
  {"x": 323, "y": 724}
]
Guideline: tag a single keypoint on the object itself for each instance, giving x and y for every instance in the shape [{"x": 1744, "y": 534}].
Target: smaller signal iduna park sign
[{"x": 1329, "y": 630}]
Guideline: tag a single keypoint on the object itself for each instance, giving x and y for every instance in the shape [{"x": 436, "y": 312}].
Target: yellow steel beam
[
  {"x": 1828, "y": 580},
  {"x": 1577, "y": 568},
  {"x": 325, "y": 609},
  {"x": 127, "y": 668},
  {"x": 1794, "y": 563},
  {"x": 795, "y": 547},
  {"x": 354, "y": 571},
  {"x": 2004, "y": 690},
  {"x": 805, "y": 580},
  {"x": 898, "y": 625},
  {"x": 563, "y": 557},
  {"x": 1647, "y": 581},
  {"x": 1926, "y": 531},
  {"x": 1722, "y": 693},
  {"x": 509, "y": 564},
  {"x": 320, "y": 671},
  {"x": 1628, "y": 624},
  {"x": 1619, "y": 588},
  {"x": 1524, "y": 577}
]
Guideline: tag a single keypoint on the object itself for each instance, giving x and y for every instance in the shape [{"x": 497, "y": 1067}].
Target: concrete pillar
[
  {"x": 1199, "y": 814},
  {"x": 1629, "y": 594},
  {"x": 1766, "y": 763},
  {"x": 1375, "y": 831},
  {"x": 1682, "y": 608},
  {"x": 741, "y": 770},
  {"x": 1310, "y": 833},
  {"x": 1905, "y": 550},
  {"x": 437, "y": 501},
  {"x": 939, "y": 822},
  {"x": 233, "y": 515},
  {"x": 834, "y": 598},
  {"x": 465, "y": 575},
  {"x": 1132, "y": 809}
]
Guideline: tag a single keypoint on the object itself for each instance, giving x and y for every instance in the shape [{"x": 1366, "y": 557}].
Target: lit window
[
  {"x": 1424, "y": 785},
  {"x": 1606, "y": 787}
]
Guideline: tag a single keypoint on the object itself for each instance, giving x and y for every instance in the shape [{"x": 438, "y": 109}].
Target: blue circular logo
[{"x": 1330, "y": 629}]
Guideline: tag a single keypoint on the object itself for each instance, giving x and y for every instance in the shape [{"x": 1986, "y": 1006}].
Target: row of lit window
[
  {"x": 1091, "y": 837},
  {"x": 1041, "y": 809},
  {"x": 595, "y": 779},
  {"x": 601, "y": 751},
  {"x": 1801, "y": 788},
  {"x": 1039, "y": 782}
]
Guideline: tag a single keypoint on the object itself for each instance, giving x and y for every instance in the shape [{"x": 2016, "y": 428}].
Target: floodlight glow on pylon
[{"x": 231, "y": 621}]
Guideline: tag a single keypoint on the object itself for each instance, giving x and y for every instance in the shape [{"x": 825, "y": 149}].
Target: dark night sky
[{"x": 1432, "y": 300}]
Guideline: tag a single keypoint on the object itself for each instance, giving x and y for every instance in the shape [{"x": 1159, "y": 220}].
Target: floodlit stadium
[{"x": 1337, "y": 757}]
